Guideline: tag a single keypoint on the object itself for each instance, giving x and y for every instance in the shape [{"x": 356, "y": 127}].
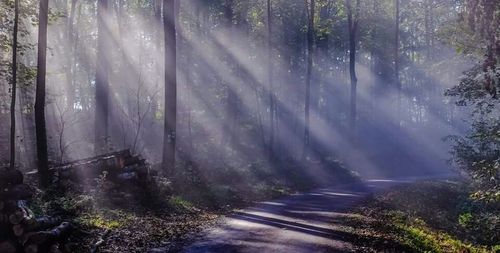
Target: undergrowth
[{"x": 434, "y": 217}]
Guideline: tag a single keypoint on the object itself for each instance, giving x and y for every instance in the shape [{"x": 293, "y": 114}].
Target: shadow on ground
[{"x": 308, "y": 222}]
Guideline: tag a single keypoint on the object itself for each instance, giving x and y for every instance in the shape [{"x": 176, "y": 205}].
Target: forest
[{"x": 249, "y": 126}]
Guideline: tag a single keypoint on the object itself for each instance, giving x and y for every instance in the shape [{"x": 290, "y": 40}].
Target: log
[
  {"x": 122, "y": 153},
  {"x": 100, "y": 241},
  {"x": 20, "y": 213},
  {"x": 55, "y": 248},
  {"x": 17, "y": 192},
  {"x": 134, "y": 160},
  {"x": 7, "y": 204},
  {"x": 95, "y": 167},
  {"x": 47, "y": 236},
  {"x": 8, "y": 247},
  {"x": 31, "y": 248},
  {"x": 127, "y": 177},
  {"x": 10, "y": 177},
  {"x": 35, "y": 224}
]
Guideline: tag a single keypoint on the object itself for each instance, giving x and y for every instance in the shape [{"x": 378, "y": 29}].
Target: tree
[
  {"x": 310, "y": 45},
  {"x": 270, "y": 81},
  {"x": 14, "y": 88},
  {"x": 352, "y": 22},
  {"x": 170, "y": 117},
  {"x": 396, "y": 59},
  {"x": 102, "y": 78},
  {"x": 478, "y": 152},
  {"x": 40, "y": 128}
]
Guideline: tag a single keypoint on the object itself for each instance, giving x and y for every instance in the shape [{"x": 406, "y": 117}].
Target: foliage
[
  {"x": 105, "y": 219},
  {"x": 478, "y": 153},
  {"x": 434, "y": 217}
]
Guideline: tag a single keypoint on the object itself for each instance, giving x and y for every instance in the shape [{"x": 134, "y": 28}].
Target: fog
[{"x": 224, "y": 101}]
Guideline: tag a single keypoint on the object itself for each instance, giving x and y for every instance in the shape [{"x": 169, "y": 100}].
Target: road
[{"x": 306, "y": 222}]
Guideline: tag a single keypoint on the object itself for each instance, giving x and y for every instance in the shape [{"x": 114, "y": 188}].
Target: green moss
[
  {"x": 434, "y": 217},
  {"x": 423, "y": 239},
  {"x": 178, "y": 203},
  {"x": 105, "y": 219}
]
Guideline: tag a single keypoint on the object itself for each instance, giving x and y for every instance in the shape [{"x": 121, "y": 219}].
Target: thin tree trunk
[
  {"x": 14, "y": 88},
  {"x": 310, "y": 44},
  {"x": 41, "y": 131},
  {"x": 270, "y": 81},
  {"x": 102, "y": 79},
  {"x": 169, "y": 134},
  {"x": 352, "y": 20},
  {"x": 396, "y": 61}
]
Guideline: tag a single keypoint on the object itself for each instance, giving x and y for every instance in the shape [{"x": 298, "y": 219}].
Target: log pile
[
  {"x": 119, "y": 167},
  {"x": 127, "y": 177},
  {"x": 20, "y": 229}
]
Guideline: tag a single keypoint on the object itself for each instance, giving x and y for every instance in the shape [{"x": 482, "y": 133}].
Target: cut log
[
  {"x": 20, "y": 213},
  {"x": 127, "y": 177},
  {"x": 35, "y": 224},
  {"x": 31, "y": 248},
  {"x": 55, "y": 248},
  {"x": 95, "y": 166},
  {"x": 10, "y": 177},
  {"x": 48, "y": 236},
  {"x": 100, "y": 241},
  {"x": 7, "y": 247},
  {"x": 134, "y": 160},
  {"x": 17, "y": 192},
  {"x": 7, "y": 204},
  {"x": 123, "y": 153}
]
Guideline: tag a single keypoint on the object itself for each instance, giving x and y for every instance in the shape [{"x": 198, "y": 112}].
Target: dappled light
[{"x": 289, "y": 125}]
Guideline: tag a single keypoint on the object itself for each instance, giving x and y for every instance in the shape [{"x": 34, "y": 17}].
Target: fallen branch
[
  {"x": 47, "y": 236},
  {"x": 100, "y": 241}
]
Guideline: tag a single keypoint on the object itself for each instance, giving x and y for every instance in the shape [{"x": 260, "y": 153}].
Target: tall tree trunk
[
  {"x": 72, "y": 52},
  {"x": 41, "y": 131},
  {"x": 310, "y": 44},
  {"x": 14, "y": 88},
  {"x": 102, "y": 79},
  {"x": 231, "y": 110},
  {"x": 396, "y": 60},
  {"x": 270, "y": 81},
  {"x": 352, "y": 21},
  {"x": 169, "y": 134},
  {"x": 427, "y": 11}
]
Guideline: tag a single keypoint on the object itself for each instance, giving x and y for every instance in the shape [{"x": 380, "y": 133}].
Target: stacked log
[
  {"x": 20, "y": 230},
  {"x": 120, "y": 167}
]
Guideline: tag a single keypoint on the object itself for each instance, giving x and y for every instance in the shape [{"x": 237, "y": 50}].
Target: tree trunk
[
  {"x": 41, "y": 131},
  {"x": 14, "y": 88},
  {"x": 102, "y": 79},
  {"x": 310, "y": 44},
  {"x": 352, "y": 21},
  {"x": 396, "y": 61},
  {"x": 270, "y": 81},
  {"x": 170, "y": 118}
]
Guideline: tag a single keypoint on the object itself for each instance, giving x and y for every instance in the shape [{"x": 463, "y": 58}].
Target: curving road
[{"x": 307, "y": 222}]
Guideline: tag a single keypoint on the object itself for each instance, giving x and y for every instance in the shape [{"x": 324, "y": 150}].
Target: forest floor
[
  {"x": 426, "y": 216},
  {"x": 260, "y": 216},
  {"x": 167, "y": 215}
]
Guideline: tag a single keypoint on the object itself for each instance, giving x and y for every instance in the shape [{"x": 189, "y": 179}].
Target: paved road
[{"x": 307, "y": 222}]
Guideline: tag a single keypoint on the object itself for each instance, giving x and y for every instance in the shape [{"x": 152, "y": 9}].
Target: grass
[
  {"x": 426, "y": 217},
  {"x": 422, "y": 238},
  {"x": 105, "y": 219},
  {"x": 168, "y": 210}
]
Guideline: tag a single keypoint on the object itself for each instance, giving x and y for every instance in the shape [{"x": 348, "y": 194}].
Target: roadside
[
  {"x": 426, "y": 216},
  {"x": 165, "y": 213}
]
